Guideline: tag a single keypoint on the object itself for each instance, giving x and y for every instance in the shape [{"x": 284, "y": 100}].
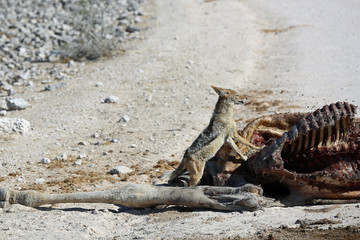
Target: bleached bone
[{"x": 247, "y": 197}]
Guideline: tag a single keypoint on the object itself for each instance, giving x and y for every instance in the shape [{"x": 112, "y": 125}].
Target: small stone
[
  {"x": 45, "y": 161},
  {"x": 115, "y": 140},
  {"x": 133, "y": 146},
  {"x": 39, "y": 180},
  {"x": 339, "y": 215},
  {"x": 54, "y": 57},
  {"x": 125, "y": 118},
  {"x": 120, "y": 170},
  {"x": 96, "y": 135},
  {"x": 99, "y": 84},
  {"x": 132, "y": 29},
  {"x": 82, "y": 155},
  {"x": 11, "y": 92},
  {"x": 52, "y": 87},
  {"x": 61, "y": 157},
  {"x": 83, "y": 143},
  {"x": 3, "y": 105},
  {"x": 3, "y": 112},
  {"x": 111, "y": 99},
  {"x": 22, "y": 52},
  {"x": 78, "y": 162},
  {"x": 17, "y": 104},
  {"x": 71, "y": 64},
  {"x": 60, "y": 76},
  {"x": 25, "y": 75},
  {"x": 99, "y": 143}
]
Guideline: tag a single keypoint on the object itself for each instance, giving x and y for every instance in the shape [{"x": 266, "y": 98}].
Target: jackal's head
[{"x": 229, "y": 94}]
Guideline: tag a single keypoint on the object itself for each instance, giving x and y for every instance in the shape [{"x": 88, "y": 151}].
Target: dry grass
[
  {"x": 92, "y": 43},
  {"x": 78, "y": 180}
]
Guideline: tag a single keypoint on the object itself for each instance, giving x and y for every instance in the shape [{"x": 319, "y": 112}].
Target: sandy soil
[{"x": 284, "y": 57}]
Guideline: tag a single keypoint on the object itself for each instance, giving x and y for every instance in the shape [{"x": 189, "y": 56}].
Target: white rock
[
  {"x": 39, "y": 180},
  {"x": 71, "y": 63},
  {"x": 133, "y": 146},
  {"x": 25, "y": 75},
  {"x": 2, "y": 113},
  {"x": 78, "y": 162},
  {"x": 45, "y": 161},
  {"x": 82, "y": 155},
  {"x": 14, "y": 125},
  {"x": 61, "y": 157},
  {"x": 22, "y": 52},
  {"x": 125, "y": 118},
  {"x": 120, "y": 170},
  {"x": 111, "y": 99},
  {"x": 17, "y": 104}
]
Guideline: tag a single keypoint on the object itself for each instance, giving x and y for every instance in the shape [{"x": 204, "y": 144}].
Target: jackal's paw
[{"x": 163, "y": 179}]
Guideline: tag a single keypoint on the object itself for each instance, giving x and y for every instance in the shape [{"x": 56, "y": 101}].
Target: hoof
[{"x": 3, "y": 200}]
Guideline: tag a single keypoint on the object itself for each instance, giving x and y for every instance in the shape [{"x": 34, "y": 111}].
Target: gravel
[{"x": 36, "y": 31}]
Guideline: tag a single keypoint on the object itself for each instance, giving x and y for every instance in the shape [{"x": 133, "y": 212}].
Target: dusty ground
[{"x": 163, "y": 83}]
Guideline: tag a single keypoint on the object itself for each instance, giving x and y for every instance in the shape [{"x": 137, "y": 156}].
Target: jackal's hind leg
[{"x": 195, "y": 168}]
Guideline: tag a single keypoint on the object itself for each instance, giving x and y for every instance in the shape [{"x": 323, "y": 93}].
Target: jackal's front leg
[
  {"x": 242, "y": 140},
  {"x": 233, "y": 145}
]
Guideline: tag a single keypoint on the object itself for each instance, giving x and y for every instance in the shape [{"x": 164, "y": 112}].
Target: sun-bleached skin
[
  {"x": 221, "y": 129},
  {"x": 247, "y": 197}
]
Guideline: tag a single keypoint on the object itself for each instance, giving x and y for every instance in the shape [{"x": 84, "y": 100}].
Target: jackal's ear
[{"x": 220, "y": 91}]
